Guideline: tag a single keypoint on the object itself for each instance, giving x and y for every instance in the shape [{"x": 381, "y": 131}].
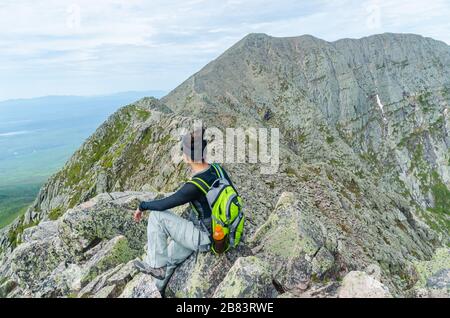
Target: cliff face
[
  {"x": 383, "y": 100},
  {"x": 364, "y": 175}
]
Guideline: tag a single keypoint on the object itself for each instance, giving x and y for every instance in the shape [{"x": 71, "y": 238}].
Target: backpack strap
[
  {"x": 219, "y": 170},
  {"x": 221, "y": 175},
  {"x": 234, "y": 227},
  {"x": 201, "y": 184}
]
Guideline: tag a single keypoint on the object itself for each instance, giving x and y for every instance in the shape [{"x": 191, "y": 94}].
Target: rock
[
  {"x": 434, "y": 276},
  {"x": 31, "y": 263},
  {"x": 289, "y": 242},
  {"x": 328, "y": 290},
  {"x": 65, "y": 279},
  {"x": 43, "y": 230},
  {"x": 98, "y": 283},
  {"x": 105, "y": 267},
  {"x": 105, "y": 292},
  {"x": 198, "y": 279},
  {"x": 115, "y": 252},
  {"x": 30, "y": 216},
  {"x": 18, "y": 293},
  {"x": 249, "y": 277},
  {"x": 431, "y": 293},
  {"x": 123, "y": 274},
  {"x": 142, "y": 286},
  {"x": 81, "y": 227},
  {"x": 440, "y": 280},
  {"x": 102, "y": 182},
  {"x": 87, "y": 248},
  {"x": 117, "y": 277},
  {"x": 322, "y": 263},
  {"x": 7, "y": 287},
  {"x": 374, "y": 270},
  {"x": 358, "y": 284}
]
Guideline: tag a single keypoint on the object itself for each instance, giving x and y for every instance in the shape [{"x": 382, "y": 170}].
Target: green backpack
[{"x": 226, "y": 207}]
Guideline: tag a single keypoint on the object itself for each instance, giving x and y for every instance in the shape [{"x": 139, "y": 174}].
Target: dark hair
[{"x": 193, "y": 145}]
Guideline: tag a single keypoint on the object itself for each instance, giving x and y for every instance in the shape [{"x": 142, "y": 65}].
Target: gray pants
[{"x": 172, "y": 239}]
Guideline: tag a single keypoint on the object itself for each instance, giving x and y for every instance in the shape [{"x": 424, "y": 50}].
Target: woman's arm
[{"x": 187, "y": 193}]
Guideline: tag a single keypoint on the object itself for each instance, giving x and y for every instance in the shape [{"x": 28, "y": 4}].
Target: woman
[{"x": 186, "y": 236}]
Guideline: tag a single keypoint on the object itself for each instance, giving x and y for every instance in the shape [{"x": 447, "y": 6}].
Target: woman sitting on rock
[{"x": 186, "y": 236}]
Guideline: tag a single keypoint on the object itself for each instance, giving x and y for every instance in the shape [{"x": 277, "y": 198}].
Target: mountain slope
[
  {"x": 386, "y": 97},
  {"x": 364, "y": 160}
]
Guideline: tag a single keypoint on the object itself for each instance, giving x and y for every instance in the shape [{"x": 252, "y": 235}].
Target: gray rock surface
[
  {"x": 87, "y": 253},
  {"x": 198, "y": 279},
  {"x": 142, "y": 286},
  {"x": 249, "y": 277},
  {"x": 433, "y": 276},
  {"x": 358, "y": 284}
]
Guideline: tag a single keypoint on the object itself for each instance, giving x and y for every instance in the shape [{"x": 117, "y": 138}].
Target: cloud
[{"x": 88, "y": 47}]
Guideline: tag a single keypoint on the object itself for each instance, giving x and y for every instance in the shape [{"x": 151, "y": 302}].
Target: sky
[{"x": 85, "y": 47}]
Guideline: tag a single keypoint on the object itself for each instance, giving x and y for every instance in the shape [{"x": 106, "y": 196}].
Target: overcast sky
[{"x": 85, "y": 47}]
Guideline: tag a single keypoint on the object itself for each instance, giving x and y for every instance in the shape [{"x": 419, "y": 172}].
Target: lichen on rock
[{"x": 249, "y": 277}]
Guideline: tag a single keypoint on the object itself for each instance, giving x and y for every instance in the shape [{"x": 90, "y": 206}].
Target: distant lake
[{"x": 15, "y": 133}]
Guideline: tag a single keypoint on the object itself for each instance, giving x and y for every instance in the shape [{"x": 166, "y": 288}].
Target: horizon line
[{"x": 164, "y": 92}]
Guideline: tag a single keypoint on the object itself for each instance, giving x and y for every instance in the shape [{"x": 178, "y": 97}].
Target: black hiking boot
[{"x": 158, "y": 273}]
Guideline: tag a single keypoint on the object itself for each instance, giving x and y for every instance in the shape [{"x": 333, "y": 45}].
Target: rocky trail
[{"x": 89, "y": 253}]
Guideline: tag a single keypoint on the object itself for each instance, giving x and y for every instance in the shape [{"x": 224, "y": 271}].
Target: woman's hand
[{"x": 137, "y": 216}]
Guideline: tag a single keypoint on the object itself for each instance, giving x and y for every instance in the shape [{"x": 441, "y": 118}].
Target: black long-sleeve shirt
[{"x": 187, "y": 193}]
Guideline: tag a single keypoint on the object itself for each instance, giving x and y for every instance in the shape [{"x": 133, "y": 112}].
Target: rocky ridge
[
  {"x": 88, "y": 252},
  {"x": 363, "y": 180}
]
